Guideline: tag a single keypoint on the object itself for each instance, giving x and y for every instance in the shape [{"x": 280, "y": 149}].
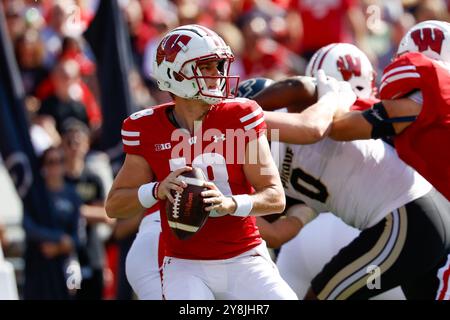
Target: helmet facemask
[{"x": 225, "y": 84}]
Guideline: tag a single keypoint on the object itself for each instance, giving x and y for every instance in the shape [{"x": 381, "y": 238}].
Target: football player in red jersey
[
  {"x": 415, "y": 106},
  {"x": 332, "y": 176},
  {"x": 226, "y": 259}
]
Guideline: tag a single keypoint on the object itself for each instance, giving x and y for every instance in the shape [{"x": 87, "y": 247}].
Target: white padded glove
[{"x": 345, "y": 97}]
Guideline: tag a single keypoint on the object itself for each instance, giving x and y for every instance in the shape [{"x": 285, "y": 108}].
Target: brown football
[{"x": 187, "y": 215}]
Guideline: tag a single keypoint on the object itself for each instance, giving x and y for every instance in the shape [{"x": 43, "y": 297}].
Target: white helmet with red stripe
[
  {"x": 176, "y": 65},
  {"x": 345, "y": 62},
  {"x": 431, "y": 37}
]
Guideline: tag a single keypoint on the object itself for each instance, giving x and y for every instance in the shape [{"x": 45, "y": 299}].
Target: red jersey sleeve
[
  {"x": 402, "y": 76},
  {"x": 92, "y": 108},
  {"x": 132, "y": 134},
  {"x": 250, "y": 117}
]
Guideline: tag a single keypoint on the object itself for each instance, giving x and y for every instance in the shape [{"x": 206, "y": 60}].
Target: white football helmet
[
  {"x": 431, "y": 37},
  {"x": 345, "y": 62},
  {"x": 176, "y": 64}
]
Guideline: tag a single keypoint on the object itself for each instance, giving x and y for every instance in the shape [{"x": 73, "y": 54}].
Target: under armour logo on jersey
[
  {"x": 219, "y": 138},
  {"x": 349, "y": 66},
  {"x": 162, "y": 146},
  {"x": 428, "y": 38}
]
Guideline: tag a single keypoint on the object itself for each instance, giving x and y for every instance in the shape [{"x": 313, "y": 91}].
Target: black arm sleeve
[
  {"x": 382, "y": 125},
  {"x": 377, "y": 117}
]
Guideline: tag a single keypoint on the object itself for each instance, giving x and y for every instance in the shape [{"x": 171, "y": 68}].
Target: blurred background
[{"x": 72, "y": 70}]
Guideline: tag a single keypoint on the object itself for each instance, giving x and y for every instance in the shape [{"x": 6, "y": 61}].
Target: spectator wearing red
[
  {"x": 72, "y": 49},
  {"x": 140, "y": 31},
  {"x": 66, "y": 99},
  {"x": 262, "y": 56},
  {"x": 321, "y": 22}
]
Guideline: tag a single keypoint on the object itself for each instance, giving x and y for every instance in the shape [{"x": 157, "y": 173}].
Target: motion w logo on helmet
[
  {"x": 349, "y": 66},
  {"x": 424, "y": 39},
  {"x": 171, "y": 46}
]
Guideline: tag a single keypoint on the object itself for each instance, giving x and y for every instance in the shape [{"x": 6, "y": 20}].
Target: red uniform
[
  {"x": 324, "y": 22},
  {"x": 425, "y": 144},
  {"x": 151, "y": 210},
  {"x": 362, "y": 104},
  {"x": 149, "y": 134}
]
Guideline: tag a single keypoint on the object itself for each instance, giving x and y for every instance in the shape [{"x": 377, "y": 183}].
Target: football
[{"x": 187, "y": 215}]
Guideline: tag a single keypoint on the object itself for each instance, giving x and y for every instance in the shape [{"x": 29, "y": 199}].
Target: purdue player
[{"x": 370, "y": 188}]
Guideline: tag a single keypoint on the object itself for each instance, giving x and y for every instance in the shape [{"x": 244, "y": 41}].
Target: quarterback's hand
[
  {"x": 218, "y": 202},
  {"x": 171, "y": 182}
]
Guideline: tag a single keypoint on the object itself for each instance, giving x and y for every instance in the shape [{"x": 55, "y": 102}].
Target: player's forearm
[
  {"x": 126, "y": 227},
  {"x": 295, "y": 93},
  {"x": 407, "y": 107},
  {"x": 375, "y": 122},
  {"x": 319, "y": 116},
  {"x": 302, "y": 128},
  {"x": 280, "y": 231},
  {"x": 313, "y": 124},
  {"x": 264, "y": 177},
  {"x": 123, "y": 203},
  {"x": 350, "y": 126},
  {"x": 269, "y": 200}
]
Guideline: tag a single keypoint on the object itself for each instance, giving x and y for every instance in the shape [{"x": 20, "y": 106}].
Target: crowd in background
[{"x": 270, "y": 39}]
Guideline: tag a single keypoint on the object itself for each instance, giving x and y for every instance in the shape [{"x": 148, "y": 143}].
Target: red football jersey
[
  {"x": 151, "y": 210},
  {"x": 362, "y": 104},
  {"x": 425, "y": 144},
  {"x": 218, "y": 148}
]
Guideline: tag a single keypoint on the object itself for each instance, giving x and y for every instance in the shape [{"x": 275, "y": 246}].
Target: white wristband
[
  {"x": 244, "y": 205},
  {"x": 145, "y": 194}
]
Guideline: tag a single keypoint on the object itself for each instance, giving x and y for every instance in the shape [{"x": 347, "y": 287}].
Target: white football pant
[
  {"x": 251, "y": 276},
  {"x": 141, "y": 265}
]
